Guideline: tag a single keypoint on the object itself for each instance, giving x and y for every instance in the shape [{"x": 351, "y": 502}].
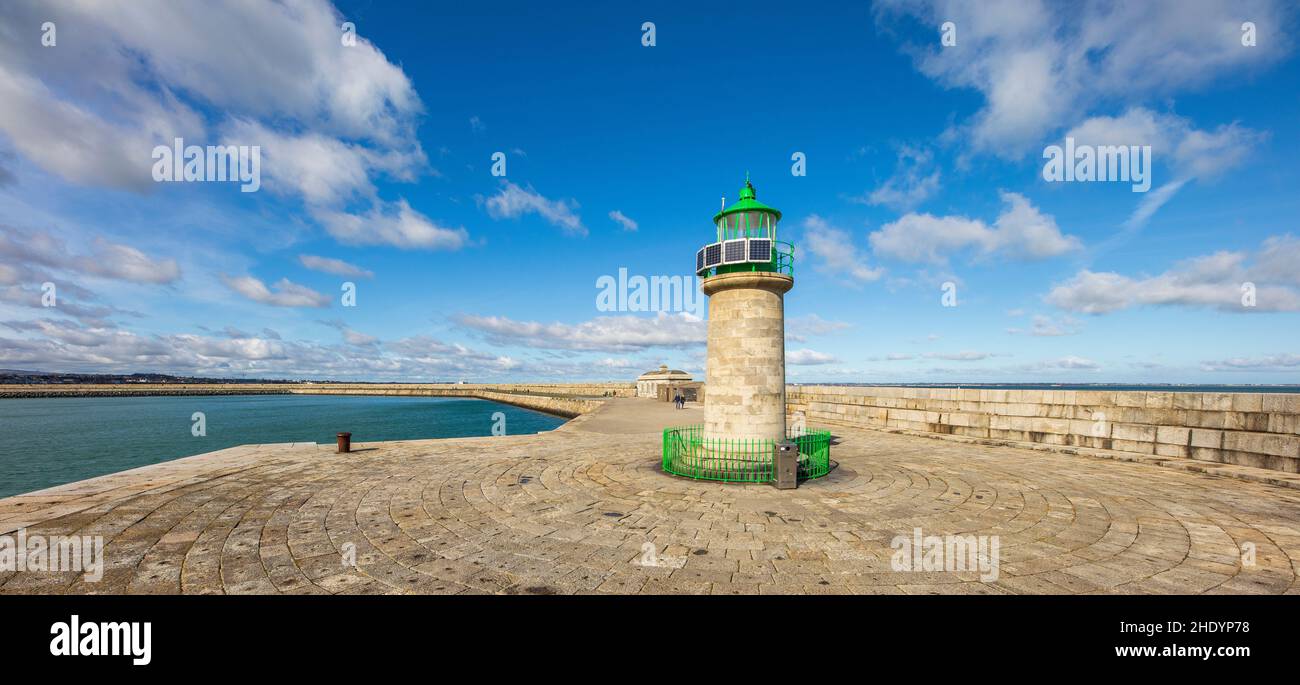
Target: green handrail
[
  {"x": 686, "y": 452},
  {"x": 782, "y": 262}
]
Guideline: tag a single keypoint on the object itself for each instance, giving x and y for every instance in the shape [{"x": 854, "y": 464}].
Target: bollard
[
  {"x": 345, "y": 442},
  {"x": 785, "y": 460}
]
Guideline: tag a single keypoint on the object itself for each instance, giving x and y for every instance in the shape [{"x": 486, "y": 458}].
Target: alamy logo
[
  {"x": 1123, "y": 163},
  {"x": 53, "y": 554},
  {"x": 653, "y": 294},
  {"x": 951, "y": 553},
  {"x": 75, "y": 638},
  {"x": 216, "y": 163}
]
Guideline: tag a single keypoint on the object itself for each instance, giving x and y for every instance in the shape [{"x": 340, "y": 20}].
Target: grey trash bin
[{"x": 786, "y": 462}]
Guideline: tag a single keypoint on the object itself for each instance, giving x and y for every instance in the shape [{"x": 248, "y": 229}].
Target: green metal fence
[{"x": 686, "y": 452}]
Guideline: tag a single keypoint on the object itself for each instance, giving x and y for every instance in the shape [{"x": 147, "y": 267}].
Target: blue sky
[{"x": 924, "y": 168}]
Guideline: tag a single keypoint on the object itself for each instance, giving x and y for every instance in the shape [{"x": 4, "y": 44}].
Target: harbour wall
[
  {"x": 561, "y": 399},
  {"x": 1248, "y": 429}
]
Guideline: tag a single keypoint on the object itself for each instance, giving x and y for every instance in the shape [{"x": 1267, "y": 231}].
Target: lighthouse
[{"x": 746, "y": 272}]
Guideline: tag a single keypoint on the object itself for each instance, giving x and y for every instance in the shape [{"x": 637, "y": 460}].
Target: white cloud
[
  {"x": 893, "y": 357},
  {"x": 1151, "y": 203},
  {"x": 36, "y": 122},
  {"x": 1278, "y": 259},
  {"x": 338, "y": 267},
  {"x": 1216, "y": 280},
  {"x": 66, "y": 331},
  {"x": 1186, "y": 152},
  {"x": 282, "y": 61},
  {"x": 328, "y": 117},
  {"x": 1272, "y": 362},
  {"x": 1021, "y": 231},
  {"x": 286, "y": 293},
  {"x": 31, "y": 297},
  {"x": 605, "y": 333},
  {"x": 808, "y": 358},
  {"x": 965, "y": 356},
  {"x": 352, "y": 336},
  {"x": 1040, "y": 69},
  {"x": 929, "y": 238},
  {"x": 395, "y": 224},
  {"x": 836, "y": 251},
  {"x": 622, "y": 220},
  {"x": 20, "y": 251},
  {"x": 30, "y": 259},
  {"x": 66, "y": 346},
  {"x": 123, "y": 262},
  {"x": 1046, "y": 326},
  {"x": 322, "y": 169},
  {"x": 1189, "y": 152},
  {"x": 798, "y": 328},
  {"x": 1070, "y": 362},
  {"x": 914, "y": 181},
  {"x": 513, "y": 202}
]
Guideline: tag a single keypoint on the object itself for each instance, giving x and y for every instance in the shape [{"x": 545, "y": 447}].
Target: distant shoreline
[
  {"x": 40, "y": 391},
  {"x": 532, "y": 392}
]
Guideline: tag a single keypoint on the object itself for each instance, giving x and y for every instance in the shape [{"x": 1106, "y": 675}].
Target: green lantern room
[{"x": 746, "y": 239}]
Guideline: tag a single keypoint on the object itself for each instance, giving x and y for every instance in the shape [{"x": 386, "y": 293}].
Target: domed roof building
[{"x": 648, "y": 383}]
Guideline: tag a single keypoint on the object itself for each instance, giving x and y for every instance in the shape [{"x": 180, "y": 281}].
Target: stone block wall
[
  {"x": 745, "y": 373},
  {"x": 561, "y": 399},
  {"x": 1247, "y": 429}
]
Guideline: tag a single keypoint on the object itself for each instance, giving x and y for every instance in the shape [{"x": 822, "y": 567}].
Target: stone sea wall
[
  {"x": 1248, "y": 429},
  {"x": 562, "y": 399}
]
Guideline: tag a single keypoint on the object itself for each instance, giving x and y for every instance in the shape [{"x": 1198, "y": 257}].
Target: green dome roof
[{"x": 747, "y": 203}]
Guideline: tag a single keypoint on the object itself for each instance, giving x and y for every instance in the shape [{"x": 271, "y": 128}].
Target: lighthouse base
[{"x": 690, "y": 452}]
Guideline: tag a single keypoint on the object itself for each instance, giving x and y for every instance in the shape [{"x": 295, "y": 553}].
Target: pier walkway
[{"x": 585, "y": 508}]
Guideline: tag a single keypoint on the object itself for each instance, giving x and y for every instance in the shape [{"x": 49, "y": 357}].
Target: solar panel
[
  {"x": 699, "y": 260},
  {"x": 760, "y": 250},
  {"x": 733, "y": 251},
  {"x": 712, "y": 255}
]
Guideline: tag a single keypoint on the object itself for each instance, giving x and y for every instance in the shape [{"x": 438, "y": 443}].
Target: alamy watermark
[
  {"x": 25, "y": 553},
  {"x": 215, "y": 163},
  {"x": 1101, "y": 163},
  {"x": 653, "y": 294},
  {"x": 950, "y": 553},
  {"x": 651, "y": 558},
  {"x": 949, "y": 296},
  {"x": 75, "y": 637}
]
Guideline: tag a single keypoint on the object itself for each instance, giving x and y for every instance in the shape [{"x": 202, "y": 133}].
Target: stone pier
[{"x": 586, "y": 509}]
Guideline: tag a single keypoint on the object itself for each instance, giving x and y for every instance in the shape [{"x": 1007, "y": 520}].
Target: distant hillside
[{"x": 24, "y": 377}]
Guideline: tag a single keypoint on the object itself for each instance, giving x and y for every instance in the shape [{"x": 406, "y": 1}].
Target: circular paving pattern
[{"x": 575, "y": 511}]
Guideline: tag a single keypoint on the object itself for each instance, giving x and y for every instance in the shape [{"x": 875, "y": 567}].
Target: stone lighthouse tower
[{"x": 746, "y": 274}]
